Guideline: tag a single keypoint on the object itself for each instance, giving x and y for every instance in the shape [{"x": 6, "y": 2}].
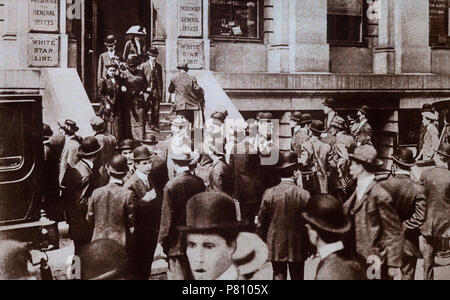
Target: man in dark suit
[
  {"x": 437, "y": 222},
  {"x": 154, "y": 93},
  {"x": 279, "y": 221},
  {"x": 176, "y": 195},
  {"x": 189, "y": 96},
  {"x": 111, "y": 208},
  {"x": 106, "y": 57},
  {"x": 147, "y": 212},
  {"x": 327, "y": 226},
  {"x": 77, "y": 188},
  {"x": 409, "y": 201},
  {"x": 377, "y": 231}
]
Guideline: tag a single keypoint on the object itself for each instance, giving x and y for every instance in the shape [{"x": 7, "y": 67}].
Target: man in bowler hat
[
  {"x": 377, "y": 230},
  {"x": 147, "y": 212},
  {"x": 410, "y": 202},
  {"x": 78, "y": 187},
  {"x": 107, "y": 57},
  {"x": 173, "y": 213},
  {"x": 279, "y": 221},
  {"x": 327, "y": 226},
  {"x": 216, "y": 247}
]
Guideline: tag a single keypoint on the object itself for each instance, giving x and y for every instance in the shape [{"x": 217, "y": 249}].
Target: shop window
[
  {"x": 439, "y": 23},
  {"x": 346, "y": 21},
  {"x": 236, "y": 19}
]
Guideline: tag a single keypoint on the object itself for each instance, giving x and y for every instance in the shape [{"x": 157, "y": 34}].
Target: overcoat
[
  {"x": 341, "y": 266},
  {"x": 430, "y": 142},
  {"x": 280, "y": 223},
  {"x": 111, "y": 95},
  {"x": 188, "y": 94},
  {"x": 363, "y": 134}
]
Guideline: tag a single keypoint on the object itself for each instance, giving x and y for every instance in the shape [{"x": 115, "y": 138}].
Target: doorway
[{"x": 105, "y": 17}]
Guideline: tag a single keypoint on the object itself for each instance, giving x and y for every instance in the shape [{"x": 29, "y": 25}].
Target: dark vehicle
[{"x": 21, "y": 158}]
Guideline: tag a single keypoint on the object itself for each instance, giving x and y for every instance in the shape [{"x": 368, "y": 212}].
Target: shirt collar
[
  {"x": 362, "y": 185},
  {"x": 88, "y": 162},
  {"x": 231, "y": 273},
  {"x": 402, "y": 172},
  {"x": 141, "y": 176},
  {"x": 182, "y": 169},
  {"x": 330, "y": 249},
  {"x": 289, "y": 180},
  {"x": 111, "y": 54},
  {"x": 115, "y": 180}
]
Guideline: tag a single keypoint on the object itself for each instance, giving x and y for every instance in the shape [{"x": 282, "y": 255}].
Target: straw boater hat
[
  {"x": 137, "y": 30},
  {"x": 118, "y": 165},
  {"x": 89, "y": 146},
  {"x": 183, "y": 154},
  {"x": 326, "y": 213},
  {"x": 212, "y": 212},
  {"x": 404, "y": 157}
]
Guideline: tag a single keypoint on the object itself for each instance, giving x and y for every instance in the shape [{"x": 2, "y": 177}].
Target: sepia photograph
[{"x": 233, "y": 140}]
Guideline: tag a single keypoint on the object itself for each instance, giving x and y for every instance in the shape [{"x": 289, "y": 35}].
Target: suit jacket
[
  {"x": 69, "y": 155},
  {"x": 111, "y": 212},
  {"x": 409, "y": 201},
  {"x": 377, "y": 229},
  {"x": 154, "y": 81},
  {"x": 75, "y": 195},
  {"x": 318, "y": 161},
  {"x": 103, "y": 61},
  {"x": 341, "y": 266},
  {"x": 220, "y": 178},
  {"x": 280, "y": 223},
  {"x": 176, "y": 195},
  {"x": 436, "y": 182},
  {"x": 328, "y": 122},
  {"x": 339, "y": 162},
  {"x": 188, "y": 94},
  {"x": 363, "y": 135},
  {"x": 298, "y": 139},
  {"x": 430, "y": 142},
  {"x": 109, "y": 93}
]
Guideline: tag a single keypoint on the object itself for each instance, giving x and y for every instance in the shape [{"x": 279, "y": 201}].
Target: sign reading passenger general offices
[
  {"x": 190, "y": 18},
  {"x": 44, "y": 15}
]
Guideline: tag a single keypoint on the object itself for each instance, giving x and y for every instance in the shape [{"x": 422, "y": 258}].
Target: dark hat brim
[
  {"x": 316, "y": 130},
  {"x": 403, "y": 163},
  {"x": 82, "y": 153},
  {"x": 295, "y": 119},
  {"x": 142, "y": 158},
  {"x": 110, "y": 44},
  {"x": 240, "y": 225},
  {"x": 284, "y": 166},
  {"x": 150, "y": 143},
  {"x": 375, "y": 164},
  {"x": 342, "y": 230},
  {"x": 305, "y": 122},
  {"x": 115, "y": 172}
]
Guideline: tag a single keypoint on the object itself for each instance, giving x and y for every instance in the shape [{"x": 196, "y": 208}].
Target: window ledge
[
  {"x": 348, "y": 44},
  {"x": 235, "y": 39},
  {"x": 440, "y": 47}
]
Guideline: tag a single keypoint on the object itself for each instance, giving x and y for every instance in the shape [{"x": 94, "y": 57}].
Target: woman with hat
[
  {"x": 136, "y": 43},
  {"x": 106, "y": 58},
  {"x": 327, "y": 227},
  {"x": 436, "y": 227},
  {"x": 363, "y": 133},
  {"x": 111, "y": 208},
  {"x": 154, "y": 93},
  {"x": 135, "y": 108},
  {"x": 279, "y": 221},
  {"x": 431, "y": 137},
  {"x": 377, "y": 227},
  {"x": 216, "y": 247},
  {"x": 410, "y": 202}
]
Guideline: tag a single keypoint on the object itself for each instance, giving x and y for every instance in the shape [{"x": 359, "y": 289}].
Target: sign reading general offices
[
  {"x": 190, "y": 18},
  {"x": 44, "y": 15}
]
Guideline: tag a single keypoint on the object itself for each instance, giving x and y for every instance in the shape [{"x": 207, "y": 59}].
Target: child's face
[{"x": 111, "y": 72}]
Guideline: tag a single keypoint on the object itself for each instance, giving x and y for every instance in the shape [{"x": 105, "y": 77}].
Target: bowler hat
[
  {"x": 266, "y": 116},
  {"x": 366, "y": 155},
  {"x": 444, "y": 150},
  {"x": 287, "y": 159},
  {"x": 142, "y": 153},
  {"x": 429, "y": 115},
  {"x": 137, "y": 30},
  {"x": 89, "y": 146},
  {"x": 326, "y": 213},
  {"x": 103, "y": 259},
  {"x": 259, "y": 115},
  {"x": 183, "y": 66},
  {"x": 317, "y": 126},
  {"x": 118, "y": 165},
  {"x": 296, "y": 116},
  {"x": 338, "y": 123},
  {"x": 127, "y": 144},
  {"x": 209, "y": 211},
  {"x": 110, "y": 40},
  {"x": 150, "y": 140},
  {"x": 364, "y": 109},
  {"x": 221, "y": 116},
  {"x": 46, "y": 131},
  {"x": 329, "y": 102},
  {"x": 69, "y": 126},
  {"x": 404, "y": 157},
  {"x": 133, "y": 60},
  {"x": 153, "y": 52},
  {"x": 97, "y": 123},
  {"x": 427, "y": 107},
  {"x": 305, "y": 119}
]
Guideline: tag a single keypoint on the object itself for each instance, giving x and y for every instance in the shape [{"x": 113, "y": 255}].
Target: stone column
[
  {"x": 384, "y": 52},
  {"x": 411, "y": 27},
  {"x": 277, "y": 35},
  {"x": 308, "y": 19}
]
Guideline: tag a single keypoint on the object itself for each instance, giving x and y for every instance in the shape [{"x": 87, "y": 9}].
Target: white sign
[
  {"x": 43, "y": 50},
  {"x": 190, "y": 18},
  {"x": 44, "y": 15},
  {"x": 190, "y": 51}
]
